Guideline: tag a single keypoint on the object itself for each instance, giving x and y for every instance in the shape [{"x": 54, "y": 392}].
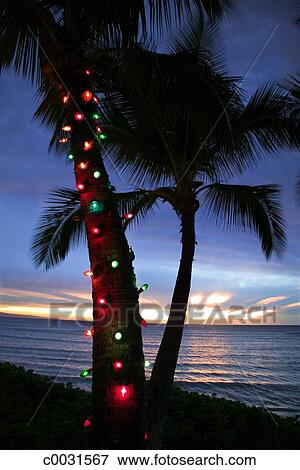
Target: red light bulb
[
  {"x": 96, "y": 230},
  {"x": 122, "y": 394},
  {"x": 66, "y": 128},
  {"x": 78, "y": 116},
  {"x": 118, "y": 365},
  {"x": 89, "y": 332},
  {"x": 88, "y": 144},
  {"x": 80, "y": 186},
  {"x": 87, "y": 96},
  {"x": 66, "y": 99},
  {"x": 101, "y": 301},
  {"x": 88, "y": 273},
  {"x": 87, "y": 423},
  {"x": 82, "y": 166},
  {"x": 129, "y": 215},
  {"x": 99, "y": 130},
  {"x": 88, "y": 72},
  {"x": 95, "y": 99}
]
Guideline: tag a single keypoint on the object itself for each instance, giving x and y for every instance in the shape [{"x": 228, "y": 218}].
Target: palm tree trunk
[
  {"x": 118, "y": 392},
  {"x": 165, "y": 364}
]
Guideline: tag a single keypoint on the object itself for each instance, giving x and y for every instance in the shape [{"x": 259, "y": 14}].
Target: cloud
[
  {"x": 11, "y": 292},
  {"x": 293, "y": 305},
  {"x": 218, "y": 298},
  {"x": 35, "y": 311},
  {"x": 271, "y": 300}
]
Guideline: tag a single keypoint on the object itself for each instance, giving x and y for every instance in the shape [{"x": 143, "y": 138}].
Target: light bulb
[
  {"x": 63, "y": 140},
  {"x": 97, "y": 174},
  {"x": 143, "y": 288},
  {"x": 114, "y": 263},
  {"x": 70, "y": 157},
  {"x": 95, "y": 230},
  {"x": 95, "y": 116},
  {"x": 147, "y": 363},
  {"x": 123, "y": 393},
  {"x": 87, "y": 96},
  {"x": 129, "y": 215},
  {"x": 89, "y": 332},
  {"x": 80, "y": 186},
  {"x": 83, "y": 165},
  {"x": 86, "y": 373},
  {"x": 66, "y": 99},
  {"x": 78, "y": 116},
  {"x": 88, "y": 273},
  {"x": 88, "y": 72},
  {"x": 88, "y": 144},
  {"x": 118, "y": 335},
  {"x": 87, "y": 423},
  {"x": 66, "y": 128},
  {"x": 96, "y": 206},
  {"x": 118, "y": 365},
  {"x": 96, "y": 99},
  {"x": 102, "y": 136},
  {"x": 99, "y": 130},
  {"x": 102, "y": 301}
]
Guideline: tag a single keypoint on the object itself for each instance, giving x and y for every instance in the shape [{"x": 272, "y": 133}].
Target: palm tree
[
  {"x": 183, "y": 148},
  {"x": 181, "y": 130},
  {"x": 51, "y": 43}
]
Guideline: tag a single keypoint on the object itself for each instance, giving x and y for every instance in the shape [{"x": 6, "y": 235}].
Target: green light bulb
[
  {"x": 95, "y": 116},
  {"x": 102, "y": 136},
  {"x": 114, "y": 264},
  {"x": 86, "y": 373},
  {"x": 70, "y": 157},
  {"x": 143, "y": 288},
  {"x": 97, "y": 174},
  {"x": 96, "y": 206},
  {"x": 147, "y": 363},
  {"x": 118, "y": 335}
]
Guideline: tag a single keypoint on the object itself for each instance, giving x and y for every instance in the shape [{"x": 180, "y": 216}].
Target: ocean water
[{"x": 257, "y": 365}]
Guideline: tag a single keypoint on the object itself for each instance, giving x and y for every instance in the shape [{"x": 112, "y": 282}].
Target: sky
[{"x": 261, "y": 44}]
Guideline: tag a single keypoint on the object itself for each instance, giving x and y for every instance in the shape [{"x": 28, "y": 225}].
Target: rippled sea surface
[{"x": 258, "y": 365}]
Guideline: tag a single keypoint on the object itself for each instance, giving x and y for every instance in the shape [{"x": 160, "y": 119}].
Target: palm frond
[
  {"x": 262, "y": 125},
  {"x": 292, "y": 85},
  {"x": 163, "y": 12},
  {"x": 297, "y": 18},
  {"x": 248, "y": 208},
  {"x": 59, "y": 228},
  {"x": 155, "y": 128},
  {"x": 141, "y": 203},
  {"x": 298, "y": 189},
  {"x": 199, "y": 40},
  {"x": 28, "y": 31}
]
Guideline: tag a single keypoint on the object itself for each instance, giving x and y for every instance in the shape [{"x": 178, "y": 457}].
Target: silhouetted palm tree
[
  {"x": 292, "y": 85},
  {"x": 181, "y": 129},
  {"x": 52, "y": 43}
]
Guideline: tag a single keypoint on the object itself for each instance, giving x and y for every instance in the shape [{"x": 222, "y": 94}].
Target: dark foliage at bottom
[{"x": 194, "y": 421}]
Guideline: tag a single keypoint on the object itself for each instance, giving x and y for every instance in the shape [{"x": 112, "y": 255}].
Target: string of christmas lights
[{"x": 121, "y": 392}]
